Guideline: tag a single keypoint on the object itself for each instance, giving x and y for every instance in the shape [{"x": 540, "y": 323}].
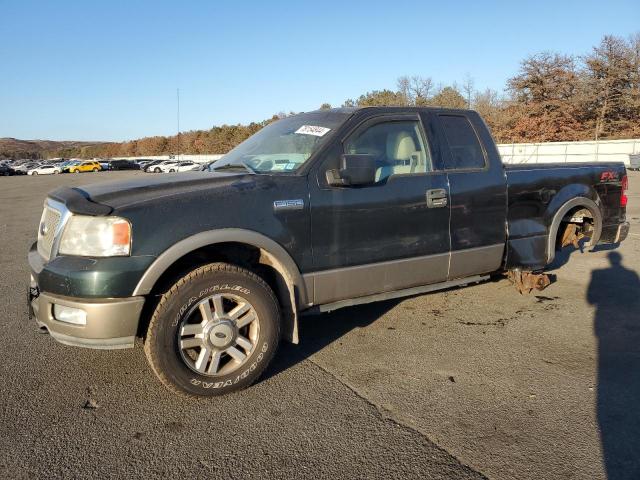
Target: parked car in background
[
  {"x": 166, "y": 166},
  {"x": 16, "y": 171},
  {"x": 634, "y": 162},
  {"x": 150, "y": 166},
  {"x": 6, "y": 170},
  {"x": 105, "y": 164},
  {"x": 23, "y": 168},
  {"x": 124, "y": 165},
  {"x": 87, "y": 166},
  {"x": 44, "y": 170},
  {"x": 186, "y": 166},
  {"x": 179, "y": 166},
  {"x": 66, "y": 166}
]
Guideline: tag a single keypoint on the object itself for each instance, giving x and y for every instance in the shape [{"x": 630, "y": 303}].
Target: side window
[
  {"x": 397, "y": 146},
  {"x": 466, "y": 151}
]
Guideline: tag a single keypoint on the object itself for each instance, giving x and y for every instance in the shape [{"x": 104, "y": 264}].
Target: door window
[
  {"x": 464, "y": 145},
  {"x": 398, "y": 148}
]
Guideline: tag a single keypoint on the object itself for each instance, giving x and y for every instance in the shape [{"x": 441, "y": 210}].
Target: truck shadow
[
  {"x": 319, "y": 331},
  {"x": 615, "y": 292}
]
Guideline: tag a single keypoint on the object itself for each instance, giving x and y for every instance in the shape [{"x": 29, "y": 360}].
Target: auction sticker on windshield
[{"x": 312, "y": 130}]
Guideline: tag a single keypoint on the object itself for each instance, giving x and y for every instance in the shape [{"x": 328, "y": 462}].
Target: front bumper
[{"x": 110, "y": 322}]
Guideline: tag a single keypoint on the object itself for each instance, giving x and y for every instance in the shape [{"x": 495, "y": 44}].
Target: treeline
[
  {"x": 553, "y": 97},
  {"x": 216, "y": 140}
]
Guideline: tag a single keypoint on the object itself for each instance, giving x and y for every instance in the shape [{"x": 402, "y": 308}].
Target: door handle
[{"x": 437, "y": 198}]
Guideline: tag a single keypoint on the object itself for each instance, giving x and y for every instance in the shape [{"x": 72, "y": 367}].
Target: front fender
[{"x": 212, "y": 237}]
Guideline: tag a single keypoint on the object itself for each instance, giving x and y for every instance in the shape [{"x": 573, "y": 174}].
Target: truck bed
[{"x": 536, "y": 191}]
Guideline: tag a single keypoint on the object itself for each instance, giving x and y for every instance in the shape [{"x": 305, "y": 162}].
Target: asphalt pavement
[{"x": 468, "y": 383}]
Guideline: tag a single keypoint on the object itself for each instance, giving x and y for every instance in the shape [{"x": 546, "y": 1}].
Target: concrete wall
[
  {"x": 195, "y": 158},
  {"x": 605, "y": 151}
]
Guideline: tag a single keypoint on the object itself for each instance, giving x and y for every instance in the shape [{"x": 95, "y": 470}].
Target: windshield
[{"x": 285, "y": 145}]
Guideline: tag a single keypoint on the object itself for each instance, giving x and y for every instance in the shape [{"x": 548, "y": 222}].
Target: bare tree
[
  {"x": 415, "y": 90},
  {"x": 403, "y": 85},
  {"x": 468, "y": 88},
  {"x": 421, "y": 89}
]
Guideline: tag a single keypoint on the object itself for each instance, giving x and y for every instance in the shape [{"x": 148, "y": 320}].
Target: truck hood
[{"x": 104, "y": 198}]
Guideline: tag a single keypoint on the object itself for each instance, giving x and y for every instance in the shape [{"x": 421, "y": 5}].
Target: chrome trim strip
[
  {"x": 65, "y": 214},
  {"x": 283, "y": 205},
  {"x": 622, "y": 233}
]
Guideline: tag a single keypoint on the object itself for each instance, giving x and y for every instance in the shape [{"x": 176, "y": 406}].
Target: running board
[{"x": 407, "y": 292}]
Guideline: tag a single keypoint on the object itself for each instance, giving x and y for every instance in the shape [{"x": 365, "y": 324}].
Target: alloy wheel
[{"x": 218, "y": 335}]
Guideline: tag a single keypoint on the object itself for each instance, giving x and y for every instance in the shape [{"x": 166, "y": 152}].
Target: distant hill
[{"x": 15, "y": 148}]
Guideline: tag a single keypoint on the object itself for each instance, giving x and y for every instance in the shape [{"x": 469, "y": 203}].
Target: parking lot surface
[{"x": 467, "y": 383}]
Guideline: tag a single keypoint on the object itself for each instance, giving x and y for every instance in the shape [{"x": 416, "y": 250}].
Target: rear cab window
[{"x": 466, "y": 151}]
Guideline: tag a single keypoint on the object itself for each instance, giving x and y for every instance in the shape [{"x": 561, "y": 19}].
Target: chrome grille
[{"x": 47, "y": 230}]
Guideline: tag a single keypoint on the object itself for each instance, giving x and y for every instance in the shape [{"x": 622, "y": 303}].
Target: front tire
[{"x": 214, "y": 332}]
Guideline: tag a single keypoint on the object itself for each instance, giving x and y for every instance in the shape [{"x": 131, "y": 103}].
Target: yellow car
[{"x": 85, "y": 167}]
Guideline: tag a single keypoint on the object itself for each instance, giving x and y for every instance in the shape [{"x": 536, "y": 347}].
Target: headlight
[{"x": 96, "y": 237}]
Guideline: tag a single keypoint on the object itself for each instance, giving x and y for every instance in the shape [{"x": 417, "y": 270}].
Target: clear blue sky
[{"x": 89, "y": 70}]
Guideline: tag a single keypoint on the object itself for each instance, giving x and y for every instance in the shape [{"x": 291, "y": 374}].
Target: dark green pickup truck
[{"x": 314, "y": 212}]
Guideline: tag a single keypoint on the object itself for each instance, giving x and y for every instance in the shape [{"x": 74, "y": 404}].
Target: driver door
[{"x": 383, "y": 237}]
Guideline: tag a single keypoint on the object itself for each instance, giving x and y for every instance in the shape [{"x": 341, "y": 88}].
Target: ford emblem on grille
[{"x": 44, "y": 229}]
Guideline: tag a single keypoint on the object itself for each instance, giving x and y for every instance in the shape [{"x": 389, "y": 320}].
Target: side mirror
[{"x": 355, "y": 170}]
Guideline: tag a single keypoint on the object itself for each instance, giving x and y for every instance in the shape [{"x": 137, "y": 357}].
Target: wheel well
[
  {"x": 578, "y": 211},
  {"x": 580, "y": 216},
  {"x": 243, "y": 255}
]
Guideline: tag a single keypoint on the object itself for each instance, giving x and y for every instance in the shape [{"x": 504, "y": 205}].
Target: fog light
[{"x": 69, "y": 315}]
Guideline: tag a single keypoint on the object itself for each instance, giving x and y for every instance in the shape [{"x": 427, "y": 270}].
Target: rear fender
[
  {"x": 558, "y": 210},
  {"x": 536, "y": 249}
]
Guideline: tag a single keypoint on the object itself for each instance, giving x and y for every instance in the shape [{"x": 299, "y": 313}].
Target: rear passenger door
[{"x": 477, "y": 188}]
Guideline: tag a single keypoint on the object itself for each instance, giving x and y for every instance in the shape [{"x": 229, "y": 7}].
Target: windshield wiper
[{"x": 235, "y": 166}]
